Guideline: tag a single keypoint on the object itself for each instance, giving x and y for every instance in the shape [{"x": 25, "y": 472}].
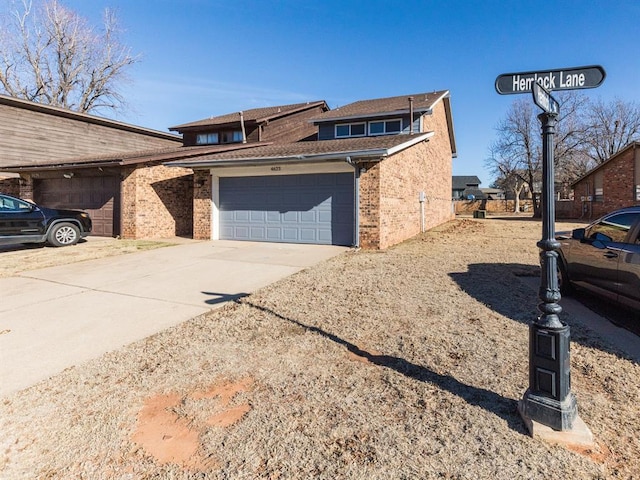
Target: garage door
[
  {"x": 96, "y": 195},
  {"x": 314, "y": 208}
]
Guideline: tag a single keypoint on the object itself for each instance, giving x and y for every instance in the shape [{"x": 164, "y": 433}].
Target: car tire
[
  {"x": 563, "y": 279},
  {"x": 63, "y": 234}
]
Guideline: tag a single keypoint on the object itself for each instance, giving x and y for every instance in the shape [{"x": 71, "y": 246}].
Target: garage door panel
[
  {"x": 314, "y": 208},
  {"x": 96, "y": 195}
]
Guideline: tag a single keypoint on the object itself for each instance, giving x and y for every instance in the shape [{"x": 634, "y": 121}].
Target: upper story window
[
  {"x": 385, "y": 127},
  {"x": 207, "y": 138},
  {"x": 227, "y": 136},
  {"x": 350, "y": 130}
]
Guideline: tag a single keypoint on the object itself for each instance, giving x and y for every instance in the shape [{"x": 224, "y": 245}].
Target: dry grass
[
  {"x": 400, "y": 364},
  {"x": 21, "y": 258}
]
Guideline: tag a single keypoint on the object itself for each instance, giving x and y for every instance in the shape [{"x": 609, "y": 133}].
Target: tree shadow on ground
[
  {"x": 503, "y": 407},
  {"x": 497, "y": 286}
]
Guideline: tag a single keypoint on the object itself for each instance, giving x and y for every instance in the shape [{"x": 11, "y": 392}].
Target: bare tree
[
  {"x": 49, "y": 54},
  {"x": 610, "y": 127},
  {"x": 516, "y": 154}
]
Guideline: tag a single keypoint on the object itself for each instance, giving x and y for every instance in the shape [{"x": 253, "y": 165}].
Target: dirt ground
[{"x": 401, "y": 364}]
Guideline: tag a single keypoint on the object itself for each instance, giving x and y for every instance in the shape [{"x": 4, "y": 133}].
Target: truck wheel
[{"x": 64, "y": 234}]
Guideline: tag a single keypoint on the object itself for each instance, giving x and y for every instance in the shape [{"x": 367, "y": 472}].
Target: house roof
[
  {"x": 422, "y": 102},
  {"x": 254, "y": 115},
  {"x": 84, "y": 117},
  {"x": 633, "y": 145},
  {"x": 371, "y": 148},
  {"x": 132, "y": 158},
  {"x": 460, "y": 182}
]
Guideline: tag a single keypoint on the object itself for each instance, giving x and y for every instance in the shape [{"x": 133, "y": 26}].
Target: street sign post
[
  {"x": 562, "y": 79},
  {"x": 544, "y": 100},
  {"x": 548, "y": 400}
]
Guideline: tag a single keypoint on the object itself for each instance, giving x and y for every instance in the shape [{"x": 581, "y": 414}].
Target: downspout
[
  {"x": 244, "y": 134},
  {"x": 356, "y": 202}
]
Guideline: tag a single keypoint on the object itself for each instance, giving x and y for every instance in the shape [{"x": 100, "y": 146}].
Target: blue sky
[{"x": 202, "y": 58}]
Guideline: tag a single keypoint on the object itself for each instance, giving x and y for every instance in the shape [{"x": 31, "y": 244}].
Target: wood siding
[
  {"x": 286, "y": 129},
  {"x": 29, "y": 137}
]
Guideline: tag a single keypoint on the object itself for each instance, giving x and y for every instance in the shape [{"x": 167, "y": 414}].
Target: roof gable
[{"x": 633, "y": 145}]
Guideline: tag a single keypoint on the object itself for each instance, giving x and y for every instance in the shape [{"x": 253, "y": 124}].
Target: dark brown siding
[
  {"x": 29, "y": 137},
  {"x": 292, "y": 128}
]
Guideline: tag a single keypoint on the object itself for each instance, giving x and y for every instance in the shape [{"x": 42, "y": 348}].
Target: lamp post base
[
  {"x": 578, "y": 435},
  {"x": 558, "y": 415}
]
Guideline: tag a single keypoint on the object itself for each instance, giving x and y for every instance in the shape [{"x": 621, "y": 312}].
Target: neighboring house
[
  {"x": 379, "y": 172},
  {"x": 75, "y": 160},
  {"x": 280, "y": 124},
  {"x": 462, "y": 187},
  {"x": 493, "y": 193},
  {"x": 611, "y": 185}
]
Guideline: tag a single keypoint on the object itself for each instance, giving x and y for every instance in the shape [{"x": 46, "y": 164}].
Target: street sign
[
  {"x": 563, "y": 79},
  {"x": 543, "y": 99}
]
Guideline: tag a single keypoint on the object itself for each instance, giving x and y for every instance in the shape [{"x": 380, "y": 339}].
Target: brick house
[
  {"x": 378, "y": 173},
  {"x": 111, "y": 169},
  {"x": 611, "y": 185},
  {"x": 74, "y": 160}
]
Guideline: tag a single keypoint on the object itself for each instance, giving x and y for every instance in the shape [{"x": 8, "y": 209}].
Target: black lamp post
[{"x": 549, "y": 400}]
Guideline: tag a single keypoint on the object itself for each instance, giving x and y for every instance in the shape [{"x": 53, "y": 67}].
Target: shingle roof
[
  {"x": 461, "y": 181},
  {"x": 363, "y": 146},
  {"x": 256, "y": 115},
  {"x": 132, "y": 158},
  {"x": 383, "y": 106}
]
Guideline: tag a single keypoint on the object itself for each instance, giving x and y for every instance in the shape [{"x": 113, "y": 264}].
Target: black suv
[{"x": 25, "y": 222}]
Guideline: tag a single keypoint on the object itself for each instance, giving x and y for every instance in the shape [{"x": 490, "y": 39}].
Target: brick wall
[
  {"x": 369, "y": 210},
  {"x": 491, "y": 206},
  {"x": 202, "y": 205},
  {"x": 156, "y": 202},
  {"x": 618, "y": 187},
  {"x": 390, "y": 190},
  {"x": 10, "y": 186}
]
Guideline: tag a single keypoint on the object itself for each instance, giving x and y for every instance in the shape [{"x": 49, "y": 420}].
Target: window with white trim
[
  {"x": 385, "y": 127},
  {"x": 350, "y": 130}
]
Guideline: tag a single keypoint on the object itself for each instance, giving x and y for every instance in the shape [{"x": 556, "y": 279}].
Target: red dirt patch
[{"x": 172, "y": 436}]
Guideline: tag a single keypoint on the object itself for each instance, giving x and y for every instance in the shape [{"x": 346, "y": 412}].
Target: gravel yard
[{"x": 401, "y": 364}]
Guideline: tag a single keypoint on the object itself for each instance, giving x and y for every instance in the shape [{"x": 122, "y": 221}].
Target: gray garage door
[{"x": 314, "y": 208}]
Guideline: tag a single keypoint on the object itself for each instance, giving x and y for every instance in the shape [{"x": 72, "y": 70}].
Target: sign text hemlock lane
[{"x": 563, "y": 79}]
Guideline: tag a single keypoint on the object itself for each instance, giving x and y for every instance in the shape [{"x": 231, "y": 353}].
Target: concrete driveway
[{"x": 54, "y": 318}]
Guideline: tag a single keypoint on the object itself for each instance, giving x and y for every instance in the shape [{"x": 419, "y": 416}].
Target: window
[
  {"x": 598, "y": 180},
  {"x": 385, "y": 127},
  {"x": 8, "y": 204},
  {"x": 350, "y": 130},
  {"x": 228, "y": 136},
  {"x": 206, "y": 138},
  {"x": 614, "y": 227}
]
